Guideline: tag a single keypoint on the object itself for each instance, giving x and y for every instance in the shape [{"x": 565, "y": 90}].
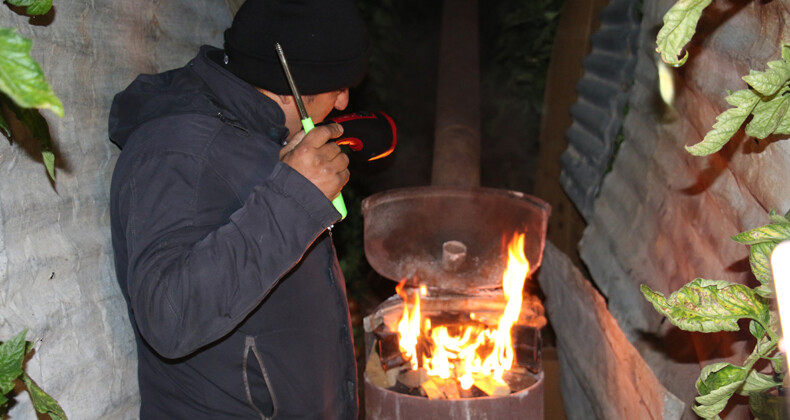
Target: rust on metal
[
  {"x": 387, "y": 403},
  {"x": 383, "y": 404},
  {"x": 405, "y": 231},
  {"x": 453, "y": 255}
]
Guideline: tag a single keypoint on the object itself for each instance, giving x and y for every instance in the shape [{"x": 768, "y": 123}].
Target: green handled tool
[{"x": 307, "y": 122}]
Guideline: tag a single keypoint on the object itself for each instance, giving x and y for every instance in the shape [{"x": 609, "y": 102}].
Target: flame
[
  {"x": 409, "y": 325},
  {"x": 512, "y": 285},
  {"x": 472, "y": 351}
]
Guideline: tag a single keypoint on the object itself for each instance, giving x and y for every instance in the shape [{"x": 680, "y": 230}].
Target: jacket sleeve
[{"x": 192, "y": 280}]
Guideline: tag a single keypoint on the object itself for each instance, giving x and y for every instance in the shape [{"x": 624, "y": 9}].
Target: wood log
[
  {"x": 375, "y": 373},
  {"x": 432, "y": 390},
  {"x": 450, "y": 387},
  {"x": 490, "y": 386},
  {"x": 389, "y": 349},
  {"x": 392, "y": 376},
  {"x": 466, "y": 393},
  {"x": 413, "y": 378},
  {"x": 617, "y": 381}
]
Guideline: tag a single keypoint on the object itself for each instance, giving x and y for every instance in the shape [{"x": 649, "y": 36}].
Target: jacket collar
[{"x": 253, "y": 109}]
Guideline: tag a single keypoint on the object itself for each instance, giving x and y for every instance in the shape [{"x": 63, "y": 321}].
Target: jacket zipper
[
  {"x": 230, "y": 122},
  {"x": 343, "y": 298},
  {"x": 250, "y": 345}
]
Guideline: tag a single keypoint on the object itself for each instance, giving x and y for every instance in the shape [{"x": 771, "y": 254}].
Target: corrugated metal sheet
[
  {"x": 602, "y": 96},
  {"x": 663, "y": 217}
]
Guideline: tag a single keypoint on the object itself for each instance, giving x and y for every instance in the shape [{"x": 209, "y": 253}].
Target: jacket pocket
[{"x": 257, "y": 381}]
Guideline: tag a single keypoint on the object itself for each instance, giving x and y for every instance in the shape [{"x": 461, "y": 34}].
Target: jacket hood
[{"x": 203, "y": 87}]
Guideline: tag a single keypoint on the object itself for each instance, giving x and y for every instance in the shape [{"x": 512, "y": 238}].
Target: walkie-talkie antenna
[
  {"x": 294, "y": 90},
  {"x": 307, "y": 122}
]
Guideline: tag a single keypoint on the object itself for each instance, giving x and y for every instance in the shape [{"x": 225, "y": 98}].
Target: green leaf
[
  {"x": 765, "y": 346},
  {"x": 21, "y": 78},
  {"x": 768, "y": 83},
  {"x": 741, "y": 97},
  {"x": 680, "y": 23},
  {"x": 34, "y": 7},
  {"x": 777, "y": 218},
  {"x": 770, "y": 115},
  {"x": 4, "y": 127},
  {"x": 727, "y": 123},
  {"x": 49, "y": 162},
  {"x": 39, "y": 129},
  {"x": 765, "y": 290},
  {"x": 42, "y": 401},
  {"x": 709, "y": 305},
  {"x": 767, "y": 406},
  {"x": 12, "y": 354},
  {"x": 769, "y": 233},
  {"x": 716, "y": 384},
  {"x": 779, "y": 363},
  {"x": 757, "y": 382},
  {"x": 756, "y": 329},
  {"x": 784, "y": 125},
  {"x": 760, "y": 262},
  {"x": 767, "y": 116}
]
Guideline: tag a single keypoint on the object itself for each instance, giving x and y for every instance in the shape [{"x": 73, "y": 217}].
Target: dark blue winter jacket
[{"x": 224, "y": 256}]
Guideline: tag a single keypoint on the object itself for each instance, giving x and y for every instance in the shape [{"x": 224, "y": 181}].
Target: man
[{"x": 222, "y": 236}]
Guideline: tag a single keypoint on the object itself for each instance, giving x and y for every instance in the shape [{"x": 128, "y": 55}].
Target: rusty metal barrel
[
  {"x": 407, "y": 232},
  {"x": 448, "y": 236}
]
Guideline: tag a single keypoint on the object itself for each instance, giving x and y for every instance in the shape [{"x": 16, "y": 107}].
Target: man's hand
[{"x": 319, "y": 160}]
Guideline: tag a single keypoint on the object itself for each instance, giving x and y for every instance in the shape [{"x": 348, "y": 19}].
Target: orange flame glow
[
  {"x": 409, "y": 325},
  {"x": 469, "y": 352}
]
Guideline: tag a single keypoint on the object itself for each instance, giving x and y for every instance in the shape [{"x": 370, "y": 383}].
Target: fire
[
  {"x": 473, "y": 352},
  {"x": 409, "y": 325}
]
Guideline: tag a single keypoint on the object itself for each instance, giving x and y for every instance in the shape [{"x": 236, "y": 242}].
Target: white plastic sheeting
[
  {"x": 664, "y": 217},
  {"x": 56, "y": 265}
]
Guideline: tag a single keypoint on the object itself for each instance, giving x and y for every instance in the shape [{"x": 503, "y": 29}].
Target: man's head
[
  {"x": 318, "y": 106},
  {"x": 325, "y": 41}
]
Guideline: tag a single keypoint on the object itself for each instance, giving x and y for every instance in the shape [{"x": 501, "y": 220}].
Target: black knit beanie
[{"x": 325, "y": 42}]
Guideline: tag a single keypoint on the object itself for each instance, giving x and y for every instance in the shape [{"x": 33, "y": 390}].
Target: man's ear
[
  {"x": 341, "y": 100},
  {"x": 285, "y": 99}
]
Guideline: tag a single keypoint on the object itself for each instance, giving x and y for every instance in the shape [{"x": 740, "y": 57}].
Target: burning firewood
[
  {"x": 490, "y": 386},
  {"x": 527, "y": 347},
  {"x": 450, "y": 389},
  {"x": 518, "y": 378},
  {"x": 455, "y": 352},
  {"x": 413, "y": 378},
  {"x": 376, "y": 373},
  {"x": 432, "y": 390},
  {"x": 436, "y": 388},
  {"x": 389, "y": 350}
]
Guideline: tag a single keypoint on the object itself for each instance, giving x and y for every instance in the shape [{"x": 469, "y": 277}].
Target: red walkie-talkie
[{"x": 370, "y": 135}]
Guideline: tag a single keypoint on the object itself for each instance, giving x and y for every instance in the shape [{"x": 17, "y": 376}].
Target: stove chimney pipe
[{"x": 456, "y": 151}]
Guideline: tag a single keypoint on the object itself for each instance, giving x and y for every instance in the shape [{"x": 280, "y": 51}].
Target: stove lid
[{"x": 448, "y": 238}]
